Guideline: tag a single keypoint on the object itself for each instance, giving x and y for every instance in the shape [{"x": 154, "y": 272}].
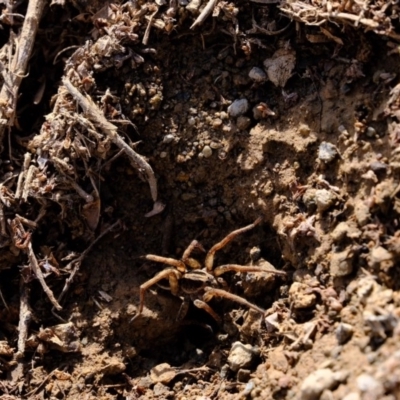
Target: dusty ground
[{"x": 317, "y": 160}]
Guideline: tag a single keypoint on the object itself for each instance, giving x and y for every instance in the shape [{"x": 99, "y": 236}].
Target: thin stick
[
  {"x": 95, "y": 115},
  {"x": 19, "y": 63},
  {"x": 25, "y": 316},
  {"x": 38, "y": 272}
]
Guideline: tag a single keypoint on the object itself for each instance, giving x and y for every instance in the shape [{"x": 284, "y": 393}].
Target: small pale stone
[
  {"x": 257, "y": 75},
  {"x": 324, "y": 199},
  {"x": 207, "y": 152},
  {"x": 315, "y": 383},
  {"x": 241, "y": 356},
  {"x": 162, "y": 373},
  {"x": 368, "y": 384},
  {"x": 327, "y": 152},
  {"x": 163, "y": 154},
  {"x": 238, "y": 107}
]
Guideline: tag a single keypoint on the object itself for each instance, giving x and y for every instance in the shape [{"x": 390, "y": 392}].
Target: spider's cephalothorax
[{"x": 188, "y": 279}]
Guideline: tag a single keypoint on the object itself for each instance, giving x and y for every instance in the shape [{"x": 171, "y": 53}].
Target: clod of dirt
[
  {"x": 368, "y": 384},
  {"x": 242, "y": 356},
  {"x": 63, "y": 337},
  {"x": 281, "y": 65},
  {"x": 341, "y": 263},
  {"x": 300, "y": 296},
  {"x": 324, "y": 199}
]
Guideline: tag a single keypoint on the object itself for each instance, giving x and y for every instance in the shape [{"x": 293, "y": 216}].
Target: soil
[{"x": 314, "y": 155}]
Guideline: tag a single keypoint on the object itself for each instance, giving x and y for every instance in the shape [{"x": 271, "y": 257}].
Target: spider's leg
[
  {"x": 191, "y": 262},
  {"x": 204, "y": 306},
  {"x": 243, "y": 268},
  {"x": 209, "y": 261},
  {"x": 171, "y": 274},
  {"x": 211, "y": 292},
  {"x": 179, "y": 265}
]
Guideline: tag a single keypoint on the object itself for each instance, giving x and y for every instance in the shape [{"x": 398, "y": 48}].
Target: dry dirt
[{"x": 322, "y": 172}]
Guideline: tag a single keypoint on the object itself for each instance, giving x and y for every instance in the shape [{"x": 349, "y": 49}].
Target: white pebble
[
  {"x": 207, "y": 152},
  {"x": 238, "y": 107},
  {"x": 327, "y": 152},
  {"x": 241, "y": 356},
  {"x": 168, "y": 138}
]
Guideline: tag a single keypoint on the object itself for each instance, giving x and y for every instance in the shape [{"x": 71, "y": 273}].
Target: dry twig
[
  {"x": 18, "y": 65},
  {"x": 38, "y": 272},
  {"x": 95, "y": 115}
]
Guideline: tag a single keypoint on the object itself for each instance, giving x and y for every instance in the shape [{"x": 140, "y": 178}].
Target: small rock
[
  {"x": 327, "y": 152},
  {"x": 257, "y": 75},
  {"x": 300, "y": 297},
  {"x": 378, "y": 167},
  {"x": 316, "y": 383},
  {"x": 243, "y": 122},
  {"x": 370, "y": 132},
  {"x": 341, "y": 264},
  {"x": 168, "y": 138},
  {"x": 207, "y": 151},
  {"x": 368, "y": 384},
  {"x": 242, "y": 356},
  {"x": 162, "y": 373},
  {"x": 344, "y": 332},
  {"x": 324, "y": 199},
  {"x": 238, "y": 107}
]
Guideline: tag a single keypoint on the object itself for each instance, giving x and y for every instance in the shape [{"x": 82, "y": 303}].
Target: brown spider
[{"x": 187, "y": 277}]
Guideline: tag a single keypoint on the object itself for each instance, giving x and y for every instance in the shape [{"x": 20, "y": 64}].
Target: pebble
[
  {"x": 327, "y": 152},
  {"x": 324, "y": 199},
  {"x": 370, "y": 132},
  {"x": 257, "y": 75},
  {"x": 368, "y": 384},
  {"x": 242, "y": 356},
  {"x": 344, "y": 332},
  {"x": 168, "y": 138},
  {"x": 243, "y": 122},
  {"x": 378, "y": 166},
  {"x": 315, "y": 383},
  {"x": 238, "y": 107},
  {"x": 206, "y": 152}
]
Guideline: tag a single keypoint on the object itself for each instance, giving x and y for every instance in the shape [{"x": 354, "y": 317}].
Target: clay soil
[{"x": 314, "y": 154}]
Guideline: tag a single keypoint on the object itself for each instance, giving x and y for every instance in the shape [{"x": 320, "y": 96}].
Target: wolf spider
[{"x": 188, "y": 278}]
